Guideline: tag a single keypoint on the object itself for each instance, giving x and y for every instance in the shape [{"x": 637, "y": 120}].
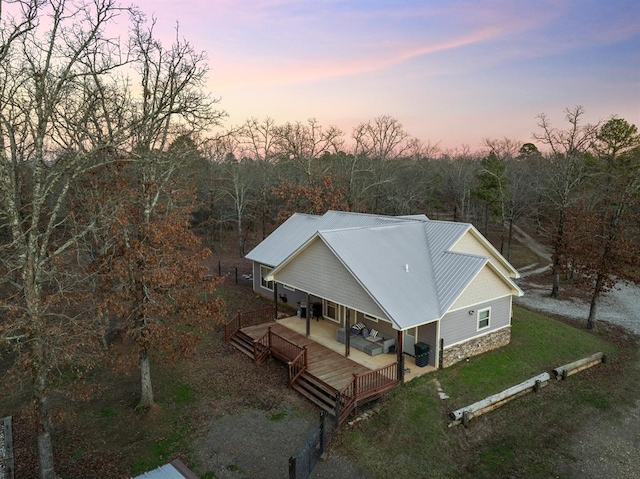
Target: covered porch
[{"x": 323, "y": 332}]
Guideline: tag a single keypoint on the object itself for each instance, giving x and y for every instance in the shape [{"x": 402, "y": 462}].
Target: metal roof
[
  {"x": 176, "y": 469},
  {"x": 404, "y": 263},
  {"x": 299, "y": 228},
  {"x": 163, "y": 472}
]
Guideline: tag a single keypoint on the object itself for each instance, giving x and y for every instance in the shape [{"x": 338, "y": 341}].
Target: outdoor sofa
[{"x": 362, "y": 339}]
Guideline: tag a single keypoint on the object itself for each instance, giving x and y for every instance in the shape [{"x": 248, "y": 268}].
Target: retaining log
[
  {"x": 492, "y": 402},
  {"x": 567, "y": 370}
]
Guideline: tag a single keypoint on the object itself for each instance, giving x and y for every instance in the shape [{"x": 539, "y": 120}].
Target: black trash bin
[{"x": 422, "y": 354}]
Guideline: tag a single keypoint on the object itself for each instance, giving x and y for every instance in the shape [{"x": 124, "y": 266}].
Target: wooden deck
[{"x": 325, "y": 364}]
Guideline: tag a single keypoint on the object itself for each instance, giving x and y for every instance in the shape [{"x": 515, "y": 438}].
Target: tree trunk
[
  {"x": 146, "y": 389},
  {"x": 559, "y": 251},
  {"x": 46, "y": 468},
  {"x": 509, "y": 239},
  {"x": 591, "y": 320},
  {"x": 555, "y": 287}
]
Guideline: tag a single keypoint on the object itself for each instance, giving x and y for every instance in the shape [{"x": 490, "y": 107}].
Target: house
[{"x": 416, "y": 280}]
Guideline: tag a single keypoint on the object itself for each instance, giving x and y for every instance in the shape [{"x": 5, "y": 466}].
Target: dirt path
[{"x": 543, "y": 252}]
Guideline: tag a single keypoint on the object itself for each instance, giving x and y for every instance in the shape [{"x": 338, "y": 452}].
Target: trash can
[{"x": 422, "y": 354}]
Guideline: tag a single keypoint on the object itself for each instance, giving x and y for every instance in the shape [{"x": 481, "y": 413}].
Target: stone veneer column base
[{"x": 475, "y": 346}]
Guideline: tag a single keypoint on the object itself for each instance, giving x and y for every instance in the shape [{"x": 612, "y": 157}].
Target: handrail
[
  {"x": 244, "y": 319},
  {"x": 364, "y": 385},
  {"x": 374, "y": 381},
  {"x": 284, "y": 348},
  {"x": 297, "y": 366},
  {"x": 261, "y": 347},
  {"x": 231, "y": 327}
]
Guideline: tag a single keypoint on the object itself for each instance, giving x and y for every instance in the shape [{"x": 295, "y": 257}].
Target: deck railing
[
  {"x": 364, "y": 386},
  {"x": 244, "y": 319},
  {"x": 297, "y": 366},
  {"x": 283, "y": 349},
  {"x": 261, "y": 347}
]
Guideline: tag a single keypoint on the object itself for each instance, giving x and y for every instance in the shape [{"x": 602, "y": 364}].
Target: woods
[{"x": 114, "y": 165}]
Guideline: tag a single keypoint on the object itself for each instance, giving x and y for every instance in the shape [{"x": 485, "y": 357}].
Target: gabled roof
[
  {"x": 299, "y": 228},
  {"x": 403, "y": 263}
]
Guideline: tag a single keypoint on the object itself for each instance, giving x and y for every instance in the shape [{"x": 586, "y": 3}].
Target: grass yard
[{"x": 410, "y": 436}]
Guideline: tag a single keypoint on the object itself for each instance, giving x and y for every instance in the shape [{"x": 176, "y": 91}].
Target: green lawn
[{"x": 410, "y": 437}]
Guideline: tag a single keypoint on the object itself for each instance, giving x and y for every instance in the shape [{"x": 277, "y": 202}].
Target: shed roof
[{"x": 176, "y": 469}]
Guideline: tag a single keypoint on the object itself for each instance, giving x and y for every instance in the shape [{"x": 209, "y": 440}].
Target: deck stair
[
  {"x": 334, "y": 383},
  {"x": 243, "y": 343},
  {"x": 316, "y": 391}
]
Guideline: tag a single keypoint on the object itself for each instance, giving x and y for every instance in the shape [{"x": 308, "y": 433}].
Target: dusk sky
[{"x": 452, "y": 72}]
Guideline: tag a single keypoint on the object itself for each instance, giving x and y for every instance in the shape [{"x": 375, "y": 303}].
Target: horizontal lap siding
[
  {"x": 459, "y": 325},
  {"x": 317, "y": 270},
  {"x": 257, "y": 284}
]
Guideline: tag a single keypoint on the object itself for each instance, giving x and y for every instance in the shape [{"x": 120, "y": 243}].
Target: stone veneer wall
[{"x": 476, "y": 346}]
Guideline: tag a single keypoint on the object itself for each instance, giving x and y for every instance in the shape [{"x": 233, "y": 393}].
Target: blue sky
[{"x": 452, "y": 72}]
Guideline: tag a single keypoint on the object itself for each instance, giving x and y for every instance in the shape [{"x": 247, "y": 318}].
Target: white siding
[
  {"x": 485, "y": 286},
  {"x": 316, "y": 270},
  {"x": 458, "y": 326}
]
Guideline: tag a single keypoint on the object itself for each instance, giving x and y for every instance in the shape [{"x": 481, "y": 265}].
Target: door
[{"x": 409, "y": 341}]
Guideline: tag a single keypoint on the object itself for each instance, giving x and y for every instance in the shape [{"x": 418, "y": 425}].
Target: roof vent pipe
[{"x": 406, "y": 267}]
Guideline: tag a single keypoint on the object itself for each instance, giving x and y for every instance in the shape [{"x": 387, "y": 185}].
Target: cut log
[
  {"x": 497, "y": 400},
  {"x": 567, "y": 370}
]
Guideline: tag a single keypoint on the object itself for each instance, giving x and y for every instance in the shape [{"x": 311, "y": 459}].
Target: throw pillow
[{"x": 373, "y": 333}]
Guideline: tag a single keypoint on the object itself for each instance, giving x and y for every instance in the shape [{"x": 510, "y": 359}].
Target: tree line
[
  {"x": 108, "y": 167},
  {"x": 577, "y": 185}
]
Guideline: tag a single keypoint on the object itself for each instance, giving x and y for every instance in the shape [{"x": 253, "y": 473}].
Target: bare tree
[
  {"x": 566, "y": 172},
  {"x": 56, "y": 75},
  {"x": 383, "y": 138},
  {"x": 303, "y": 144}
]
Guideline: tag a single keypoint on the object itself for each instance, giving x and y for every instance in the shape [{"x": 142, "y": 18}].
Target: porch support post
[
  {"x": 347, "y": 335},
  {"x": 400, "y": 357},
  {"x": 308, "y": 316},
  {"x": 275, "y": 301}
]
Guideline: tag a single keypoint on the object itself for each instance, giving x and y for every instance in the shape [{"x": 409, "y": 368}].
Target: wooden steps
[
  {"x": 316, "y": 392},
  {"x": 243, "y": 343}
]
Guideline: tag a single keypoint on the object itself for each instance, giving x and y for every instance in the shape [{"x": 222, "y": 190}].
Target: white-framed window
[
  {"x": 368, "y": 317},
  {"x": 290, "y": 288},
  {"x": 331, "y": 310},
  {"x": 484, "y": 318},
  {"x": 264, "y": 272}
]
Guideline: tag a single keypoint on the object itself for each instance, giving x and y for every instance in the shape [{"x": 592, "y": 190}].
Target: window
[
  {"x": 370, "y": 318},
  {"x": 330, "y": 309},
  {"x": 484, "y": 315},
  {"x": 264, "y": 272}
]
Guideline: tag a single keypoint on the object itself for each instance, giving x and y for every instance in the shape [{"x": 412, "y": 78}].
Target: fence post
[
  {"x": 322, "y": 419},
  {"x": 292, "y": 467},
  {"x": 337, "y": 409}
]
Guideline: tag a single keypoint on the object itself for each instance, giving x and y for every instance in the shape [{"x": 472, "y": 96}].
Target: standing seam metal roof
[{"x": 403, "y": 263}]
